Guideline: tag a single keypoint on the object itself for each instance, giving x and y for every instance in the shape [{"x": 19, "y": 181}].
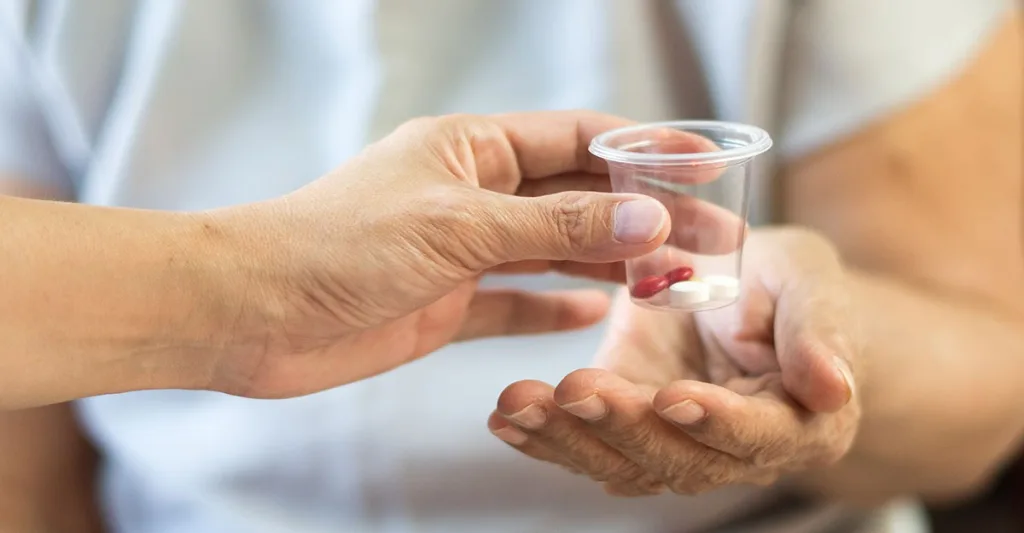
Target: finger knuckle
[
  {"x": 674, "y": 469},
  {"x": 611, "y": 469},
  {"x": 626, "y": 474},
  {"x": 639, "y": 437},
  {"x": 717, "y": 469},
  {"x": 768, "y": 453},
  {"x": 572, "y": 217},
  {"x": 449, "y": 128},
  {"x": 598, "y": 462},
  {"x": 838, "y": 451},
  {"x": 704, "y": 471},
  {"x": 650, "y": 485},
  {"x": 570, "y": 468},
  {"x": 688, "y": 486},
  {"x": 589, "y": 456},
  {"x": 831, "y": 453},
  {"x": 834, "y": 439}
]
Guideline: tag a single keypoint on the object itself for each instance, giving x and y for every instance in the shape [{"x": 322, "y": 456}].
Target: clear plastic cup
[{"x": 700, "y": 171}]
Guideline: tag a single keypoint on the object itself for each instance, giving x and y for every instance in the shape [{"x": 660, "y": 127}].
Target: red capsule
[
  {"x": 649, "y": 286},
  {"x": 679, "y": 274}
]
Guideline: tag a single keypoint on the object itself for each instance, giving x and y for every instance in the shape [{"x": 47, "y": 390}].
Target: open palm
[{"x": 694, "y": 402}]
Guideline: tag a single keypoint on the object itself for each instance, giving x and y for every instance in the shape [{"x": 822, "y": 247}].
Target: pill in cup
[{"x": 700, "y": 171}]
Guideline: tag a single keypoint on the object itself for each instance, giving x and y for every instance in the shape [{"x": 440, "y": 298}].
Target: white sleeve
[
  {"x": 852, "y": 61},
  {"x": 26, "y": 145}
]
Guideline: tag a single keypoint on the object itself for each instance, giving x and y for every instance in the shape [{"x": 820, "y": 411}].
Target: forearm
[
  {"x": 941, "y": 380},
  {"x": 944, "y": 360},
  {"x": 45, "y": 461},
  {"x": 99, "y": 300}
]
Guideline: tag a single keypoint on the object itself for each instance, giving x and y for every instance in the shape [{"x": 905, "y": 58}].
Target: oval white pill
[
  {"x": 687, "y": 293},
  {"x": 722, "y": 287}
]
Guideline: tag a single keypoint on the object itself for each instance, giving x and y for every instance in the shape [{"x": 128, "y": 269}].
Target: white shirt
[{"x": 186, "y": 105}]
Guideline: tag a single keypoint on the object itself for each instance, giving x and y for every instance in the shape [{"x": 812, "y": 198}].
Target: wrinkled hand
[
  {"x": 739, "y": 395},
  {"x": 377, "y": 263}
]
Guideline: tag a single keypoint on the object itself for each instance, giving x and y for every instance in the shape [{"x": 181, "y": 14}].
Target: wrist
[
  {"x": 229, "y": 272},
  {"x": 199, "y": 306},
  {"x": 187, "y": 296},
  {"x": 245, "y": 276}
]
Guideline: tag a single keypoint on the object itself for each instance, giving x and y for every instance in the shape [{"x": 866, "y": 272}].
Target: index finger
[{"x": 548, "y": 143}]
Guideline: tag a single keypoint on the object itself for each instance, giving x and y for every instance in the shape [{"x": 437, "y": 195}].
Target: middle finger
[{"x": 622, "y": 416}]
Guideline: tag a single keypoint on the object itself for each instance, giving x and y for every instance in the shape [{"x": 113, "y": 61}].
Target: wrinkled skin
[
  {"x": 376, "y": 264},
  {"x": 691, "y": 403}
]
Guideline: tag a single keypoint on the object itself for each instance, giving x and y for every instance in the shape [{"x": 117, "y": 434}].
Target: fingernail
[
  {"x": 685, "y": 412},
  {"x": 589, "y": 408},
  {"x": 844, "y": 370},
  {"x": 510, "y": 435},
  {"x": 638, "y": 221},
  {"x": 532, "y": 417}
]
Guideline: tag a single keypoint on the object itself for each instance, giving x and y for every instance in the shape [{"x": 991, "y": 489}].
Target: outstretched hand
[
  {"x": 695, "y": 402},
  {"x": 376, "y": 264}
]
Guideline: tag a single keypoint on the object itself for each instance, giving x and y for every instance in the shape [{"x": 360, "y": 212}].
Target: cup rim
[{"x": 760, "y": 143}]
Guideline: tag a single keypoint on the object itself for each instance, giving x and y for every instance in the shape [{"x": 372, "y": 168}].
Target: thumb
[
  {"x": 578, "y": 226},
  {"x": 816, "y": 335}
]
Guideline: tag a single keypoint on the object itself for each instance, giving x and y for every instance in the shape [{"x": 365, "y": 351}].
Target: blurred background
[{"x": 188, "y": 105}]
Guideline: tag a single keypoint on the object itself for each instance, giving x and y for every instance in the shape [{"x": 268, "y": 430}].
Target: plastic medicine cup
[{"x": 700, "y": 171}]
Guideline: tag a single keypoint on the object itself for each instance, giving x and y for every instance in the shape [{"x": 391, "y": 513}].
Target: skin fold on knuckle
[
  {"x": 594, "y": 459},
  {"x": 494, "y": 160},
  {"x": 599, "y": 464},
  {"x": 705, "y": 471},
  {"x": 636, "y": 438},
  {"x": 477, "y": 152},
  {"x": 770, "y": 452},
  {"x": 573, "y": 217},
  {"x": 835, "y": 442},
  {"x": 673, "y": 471},
  {"x": 688, "y": 486},
  {"x": 471, "y": 148},
  {"x": 623, "y": 473},
  {"x": 568, "y": 467},
  {"x": 453, "y": 125},
  {"x": 567, "y": 441}
]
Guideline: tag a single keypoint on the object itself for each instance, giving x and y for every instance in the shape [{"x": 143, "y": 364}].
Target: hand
[
  {"x": 695, "y": 402},
  {"x": 377, "y": 263}
]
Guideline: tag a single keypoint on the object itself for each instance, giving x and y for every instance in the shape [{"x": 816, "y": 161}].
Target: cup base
[
  {"x": 683, "y": 308},
  {"x": 687, "y": 295},
  {"x": 701, "y": 172}
]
